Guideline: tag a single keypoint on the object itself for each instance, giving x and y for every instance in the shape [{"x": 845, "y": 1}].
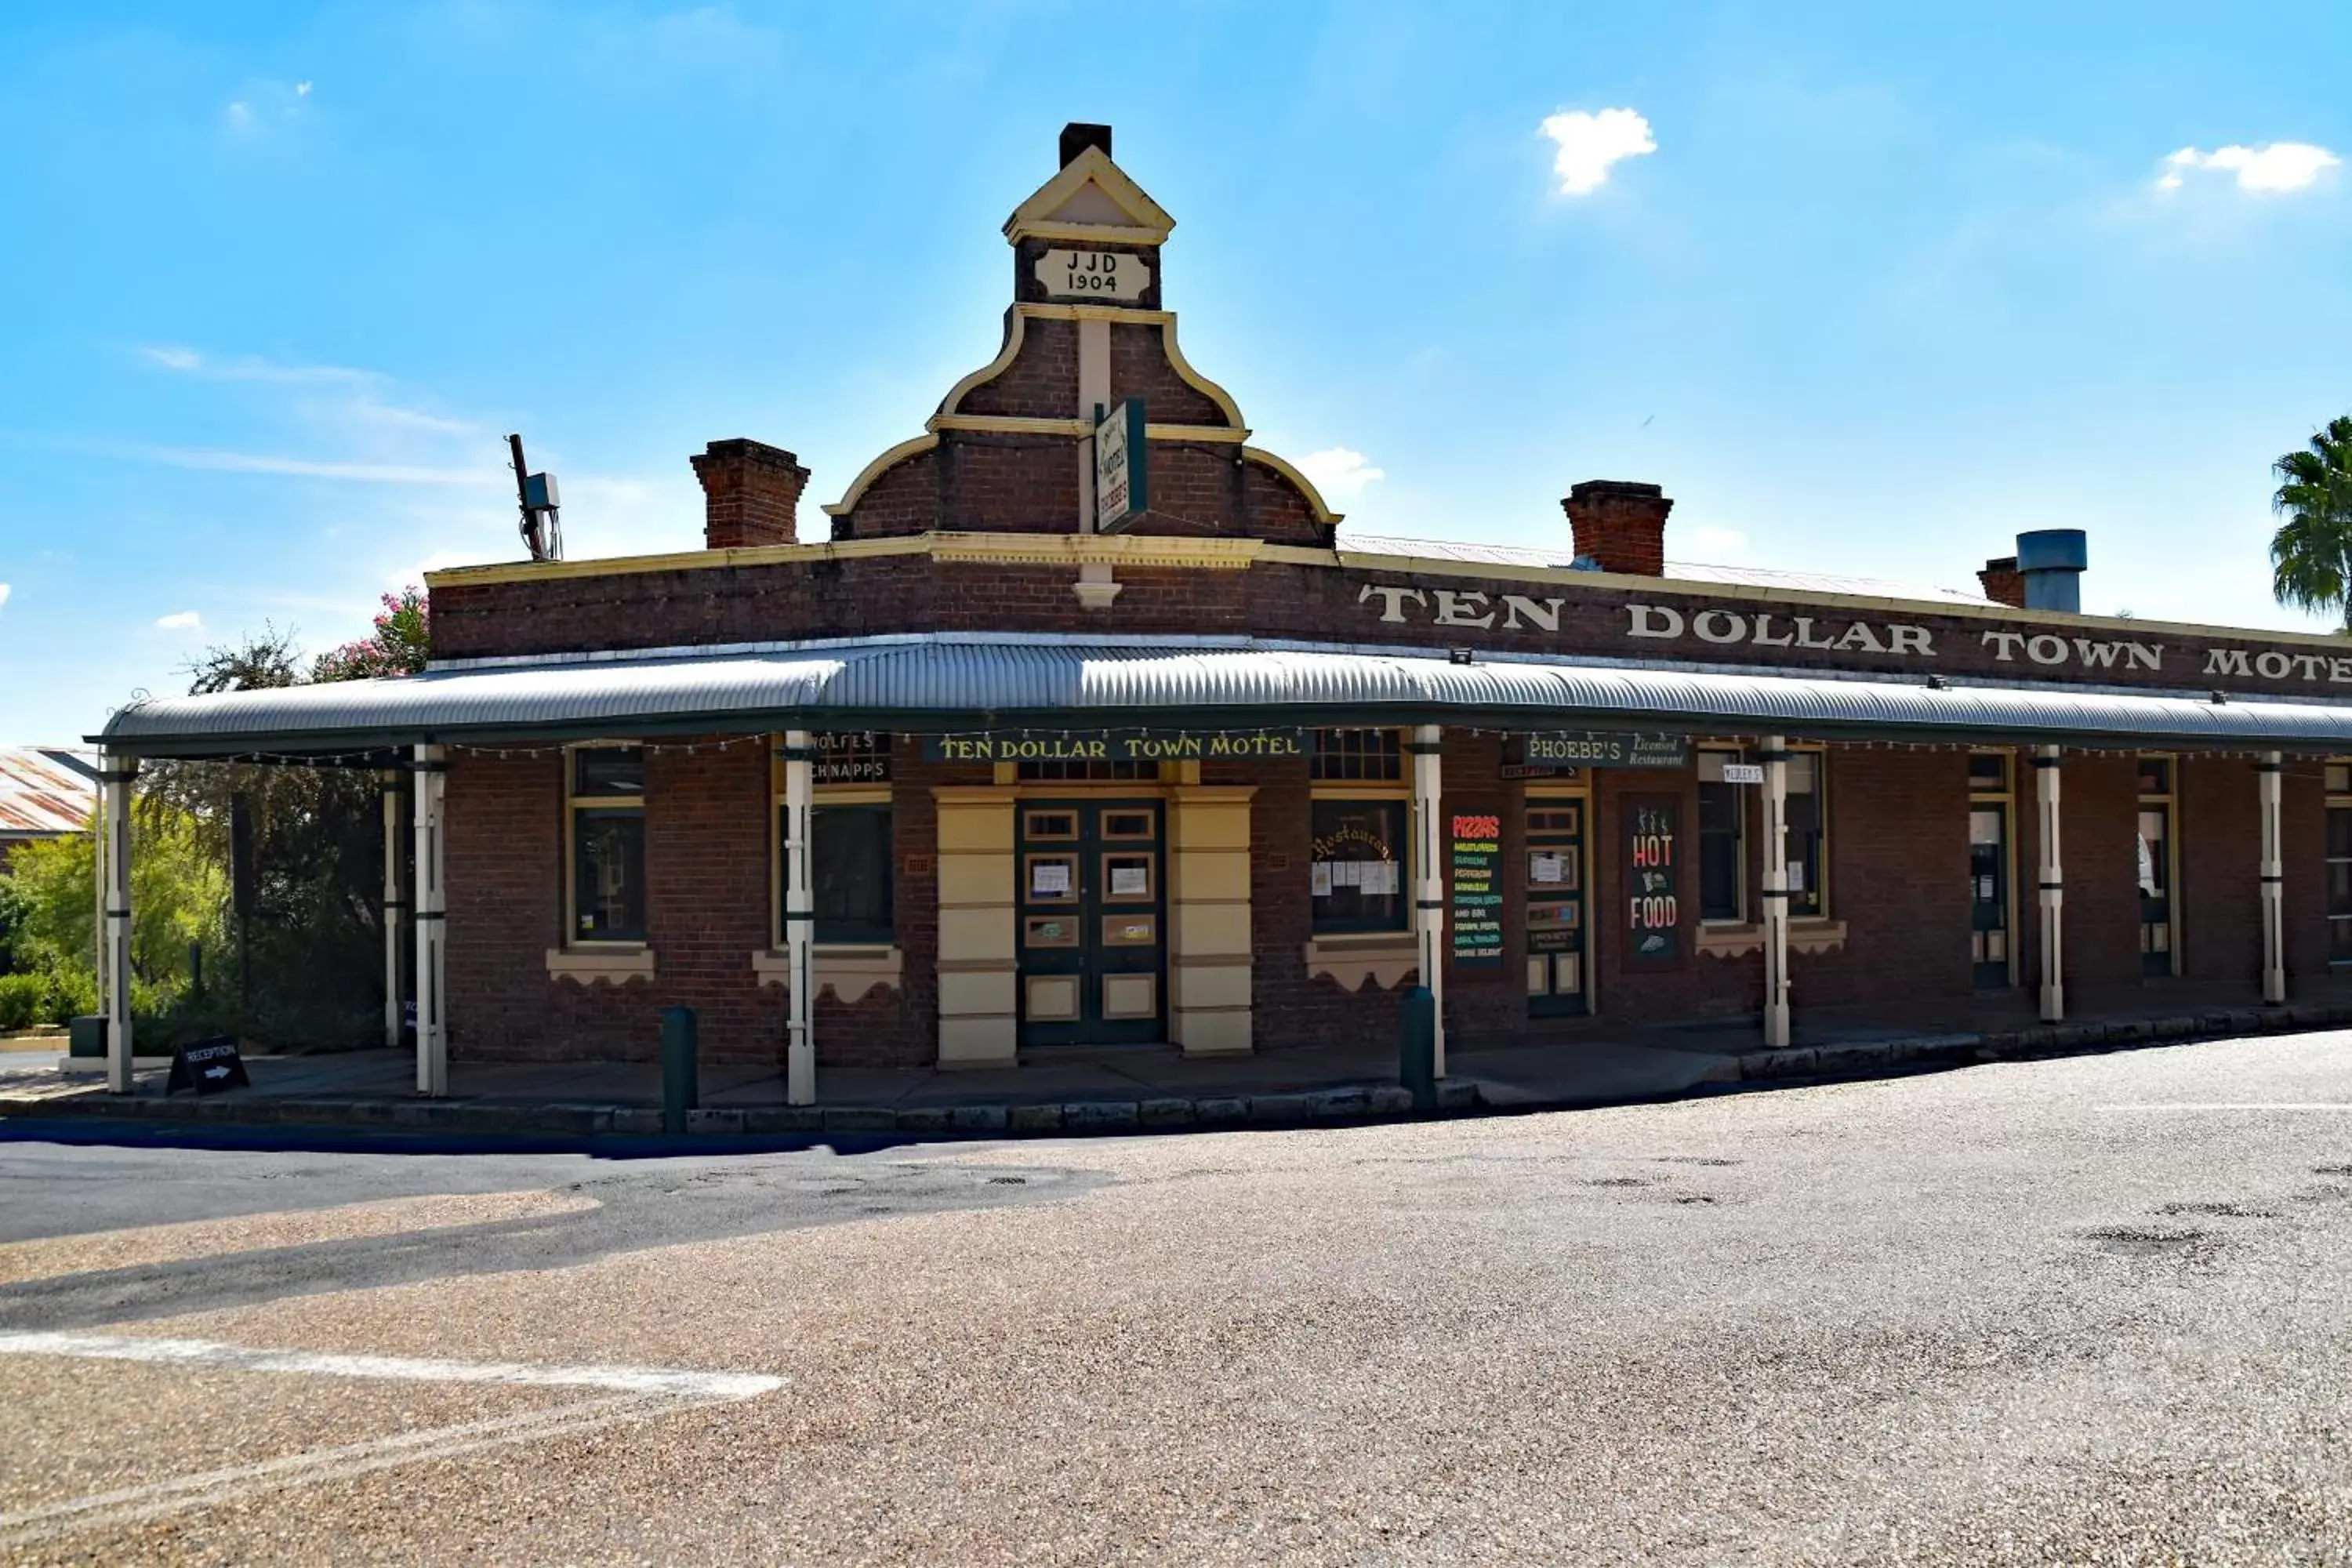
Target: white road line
[
  {"x": 632, "y": 1393},
  {"x": 316, "y": 1363},
  {"x": 135, "y": 1505},
  {"x": 2234, "y": 1105}
]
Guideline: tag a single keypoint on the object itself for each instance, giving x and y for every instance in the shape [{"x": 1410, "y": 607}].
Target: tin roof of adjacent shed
[
  {"x": 44, "y": 791},
  {"x": 968, "y": 682}
]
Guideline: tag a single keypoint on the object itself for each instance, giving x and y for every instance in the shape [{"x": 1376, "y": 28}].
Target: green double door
[{"x": 1092, "y": 922}]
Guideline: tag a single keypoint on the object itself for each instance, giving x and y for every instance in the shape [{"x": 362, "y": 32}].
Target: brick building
[{"x": 1080, "y": 723}]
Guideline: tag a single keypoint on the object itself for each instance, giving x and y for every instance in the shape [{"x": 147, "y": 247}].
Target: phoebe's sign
[
  {"x": 1115, "y": 746},
  {"x": 1591, "y": 749},
  {"x": 1122, "y": 482},
  {"x": 1094, "y": 274}
]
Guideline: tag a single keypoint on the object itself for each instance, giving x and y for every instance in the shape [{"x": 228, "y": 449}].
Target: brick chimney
[
  {"x": 2003, "y": 583},
  {"x": 750, "y": 493},
  {"x": 1619, "y": 524}
]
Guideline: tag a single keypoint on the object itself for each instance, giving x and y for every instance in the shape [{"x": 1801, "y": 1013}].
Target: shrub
[
  {"x": 72, "y": 993},
  {"x": 24, "y": 1000}
]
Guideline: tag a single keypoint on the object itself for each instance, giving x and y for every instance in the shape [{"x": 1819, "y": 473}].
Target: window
[
  {"x": 1989, "y": 772},
  {"x": 1354, "y": 754},
  {"x": 1086, "y": 772},
  {"x": 852, "y": 852},
  {"x": 1357, "y": 867},
  {"x": 850, "y": 861},
  {"x": 607, "y": 820},
  {"x": 1808, "y": 836},
  {"x": 1723, "y": 841}
]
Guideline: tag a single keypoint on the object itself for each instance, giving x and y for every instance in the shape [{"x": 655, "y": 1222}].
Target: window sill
[
  {"x": 1351, "y": 958},
  {"x": 1731, "y": 940},
  {"x": 850, "y": 970},
  {"x": 615, "y": 966}
]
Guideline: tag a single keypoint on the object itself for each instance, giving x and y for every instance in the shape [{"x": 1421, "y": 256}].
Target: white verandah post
[
  {"x": 431, "y": 768},
  {"x": 800, "y": 917},
  {"x": 1775, "y": 757},
  {"x": 2274, "y": 874},
  {"x": 1429, "y": 889},
  {"x": 116, "y": 772},
  {"x": 2051, "y": 882},
  {"x": 392, "y": 907}
]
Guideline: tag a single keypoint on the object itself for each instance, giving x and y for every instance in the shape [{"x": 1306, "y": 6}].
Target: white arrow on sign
[{"x": 216, "y": 1072}]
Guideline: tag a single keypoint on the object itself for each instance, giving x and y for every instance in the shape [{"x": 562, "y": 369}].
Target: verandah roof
[{"x": 944, "y": 682}]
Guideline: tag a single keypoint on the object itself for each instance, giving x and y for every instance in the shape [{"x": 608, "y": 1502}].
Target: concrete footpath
[{"x": 1108, "y": 1091}]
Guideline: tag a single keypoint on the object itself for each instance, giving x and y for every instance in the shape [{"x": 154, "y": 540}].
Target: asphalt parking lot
[{"x": 2080, "y": 1310}]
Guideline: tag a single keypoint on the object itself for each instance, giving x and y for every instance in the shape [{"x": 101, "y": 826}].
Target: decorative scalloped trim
[
  {"x": 600, "y": 966},
  {"x": 1007, "y": 351},
  {"x": 840, "y": 972},
  {"x": 1388, "y": 965}
]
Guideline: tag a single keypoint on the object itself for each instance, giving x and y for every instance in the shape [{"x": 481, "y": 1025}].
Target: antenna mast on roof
[{"x": 537, "y": 496}]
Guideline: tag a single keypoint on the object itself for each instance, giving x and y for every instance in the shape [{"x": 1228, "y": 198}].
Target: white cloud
[
  {"x": 1588, "y": 143},
  {"x": 1718, "y": 542},
  {"x": 1336, "y": 471},
  {"x": 3, "y": 596},
  {"x": 302, "y": 90},
  {"x": 188, "y": 361},
  {"x": 305, "y": 468},
  {"x": 180, "y": 621},
  {"x": 2277, "y": 166},
  {"x": 240, "y": 116}
]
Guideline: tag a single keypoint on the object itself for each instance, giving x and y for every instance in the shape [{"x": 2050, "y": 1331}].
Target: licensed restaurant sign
[
  {"x": 1594, "y": 749},
  {"x": 1115, "y": 746}
]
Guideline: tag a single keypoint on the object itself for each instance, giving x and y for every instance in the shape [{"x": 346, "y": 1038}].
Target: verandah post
[
  {"x": 431, "y": 769},
  {"x": 799, "y": 916},
  {"x": 1775, "y": 757},
  {"x": 2273, "y": 875},
  {"x": 1429, "y": 845},
  {"x": 2051, "y": 882},
  {"x": 392, "y": 907},
  {"x": 116, "y": 772}
]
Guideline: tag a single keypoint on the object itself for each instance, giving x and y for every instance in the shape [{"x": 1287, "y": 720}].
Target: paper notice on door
[
  {"x": 1380, "y": 876},
  {"x": 1049, "y": 879},
  {"x": 1318, "y": 880},
  {"x": 1345, "y": 873},
  {"x": 1548, "y": 868},
  {"x": 1796, "y": 875},
  {"x": 1129, "y": 883}
]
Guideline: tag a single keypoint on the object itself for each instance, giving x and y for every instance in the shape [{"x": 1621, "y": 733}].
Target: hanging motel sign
[{"x": 1123, "y": 487}]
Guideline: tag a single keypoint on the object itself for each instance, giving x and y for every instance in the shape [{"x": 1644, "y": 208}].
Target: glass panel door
[
  {"x": 2156, "y": 888},
  {"x": 1555, "y": 908},
  {"x": 1989, "y": 893},
  {"x": 1092, "y": 923},
  {"x": 2339, "y": 884}
]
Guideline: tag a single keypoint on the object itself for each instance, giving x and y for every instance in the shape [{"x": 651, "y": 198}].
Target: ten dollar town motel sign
[{"x": 1122, "y": 484}]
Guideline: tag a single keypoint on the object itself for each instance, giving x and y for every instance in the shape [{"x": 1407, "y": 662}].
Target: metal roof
[
  {"x": 1688, "y": 571},
  {"x": 967, "y": 682},
  {"x": 44, "y": 791}
]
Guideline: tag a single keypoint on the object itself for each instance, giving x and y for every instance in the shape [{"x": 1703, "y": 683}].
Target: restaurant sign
[
  {"x": 1115, "y": 746},
  {"x": 1596, "y": 749}
]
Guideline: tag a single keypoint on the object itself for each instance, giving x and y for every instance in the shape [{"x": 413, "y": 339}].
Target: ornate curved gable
[{"x": 1012, "y": 447}]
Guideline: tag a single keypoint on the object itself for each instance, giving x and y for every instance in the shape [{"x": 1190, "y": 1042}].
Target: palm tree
[{"x": 2311, "y": 554}]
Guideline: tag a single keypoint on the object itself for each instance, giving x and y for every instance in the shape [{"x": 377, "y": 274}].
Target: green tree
[
  {"x": 2311, "y": 554},
  {"x": 178, "y": 895},
  {"x": 398, "y": 645}
]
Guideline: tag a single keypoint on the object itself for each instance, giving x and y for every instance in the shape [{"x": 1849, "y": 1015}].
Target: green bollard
[
  {"x": 1417, "y": 1047},
  {"x": 680, "y": 1090}
]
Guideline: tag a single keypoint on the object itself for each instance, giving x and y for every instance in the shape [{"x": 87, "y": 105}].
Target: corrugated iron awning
[{"x": 951, "y": 683}]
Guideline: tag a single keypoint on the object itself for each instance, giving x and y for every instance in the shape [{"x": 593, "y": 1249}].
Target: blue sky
[{"x": 1884, "y": 288}]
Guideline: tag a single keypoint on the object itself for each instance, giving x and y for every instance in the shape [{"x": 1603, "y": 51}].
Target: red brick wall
[
  {"x": 2219, "y": 822},
  {"x": 709, "y": 828}
]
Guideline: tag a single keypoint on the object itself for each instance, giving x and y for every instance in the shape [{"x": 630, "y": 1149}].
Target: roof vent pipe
[{"x": 2051, "y": 560}]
